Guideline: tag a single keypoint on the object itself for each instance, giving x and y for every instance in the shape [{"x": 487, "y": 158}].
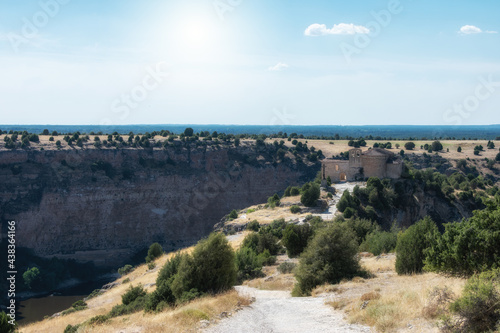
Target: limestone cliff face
[{"x": 105, "y": 205}]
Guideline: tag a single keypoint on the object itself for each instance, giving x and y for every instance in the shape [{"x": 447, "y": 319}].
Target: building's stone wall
[
  {"x": 394, "y": 170},
  {"x": 336, "y": 169},
  {"x": 374, "y": 163},
  {"x": 374, "y": 166}
]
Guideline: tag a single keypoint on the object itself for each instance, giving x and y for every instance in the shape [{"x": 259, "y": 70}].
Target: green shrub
[
  {"x": 151, "y": 266},
  {"x": 295, "y": 209},
  {"x": 310, "y": 195},
  {"x": 411, "y": 245},
  {"x": 136, "y": 305},
  {"x": 329, "y": 258},
  {"x": 162, "y": 295},
  {"x": 254, "y": 225},
  {"x": 127, "y": 280},
  {"x": 467, "y": 247},
  {"x": 233, "y": 215},
  {"x": 479, "y": 306},
  {"x": 259, "y": 242},
  {"x": 4, "y": 323},
  {"x": 362, "y": 227},
  {"x": 125, "y": 270},
  {"x": 79, "y": 304},
  {"x": 155, "y": 251},
  {"x": 211, "y": 268},
  {"x": 273, "y": 201},
  {"x": 295, "y": 238},
  {"x": 286, "y": 267},
  {"x": 379, "y": 242},
  {"x": 94, "y": 293},
  {"x": 266, "y": 258},
  {"x": 275, "y": 228},
  {"x": 68, "y": 329},
  {"x": 132, "y": 294},
  {"x": 248, "y": 263},
  {"x": 294, "y": 191},
  {"x": 98, "y": 320}
]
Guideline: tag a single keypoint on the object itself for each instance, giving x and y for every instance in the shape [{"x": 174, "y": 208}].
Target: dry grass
[
  {"x": 390, "y": 302},
  {"x": 182, "y": 319},
  {"x": 376, "y": 265},
  {"x": 277, "y": 282},
  {"x": 177, "y": 320}
]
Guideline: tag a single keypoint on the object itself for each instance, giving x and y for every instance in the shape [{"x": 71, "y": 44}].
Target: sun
[{"x": 197, "y": 34}]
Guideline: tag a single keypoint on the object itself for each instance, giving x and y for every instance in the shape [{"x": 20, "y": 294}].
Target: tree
[
  {"x": 411, "y": 246},
  {"x": 211, "y": 268},
  {"x": 233, "y": 215},
  {"x": 467, "y": 247},
  {"x": 459, "y": 149},
  {"x": 497, "y": 158},
  {"x": 295, "y": 238},
  {"x": 309, "y": 197},
  {"x": 188, "y": 131},
  {"x": 409, "y": 145},
  {"x": 45, "y": 132},
  {"x": 31, "y": 276},
  {"x": 155, "y": 251},
  {"x": 329, "y": 258},
  {"x": 436, "y": 146}
]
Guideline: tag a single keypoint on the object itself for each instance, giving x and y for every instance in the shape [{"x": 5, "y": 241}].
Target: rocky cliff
[{"x": 105, "y": 205}]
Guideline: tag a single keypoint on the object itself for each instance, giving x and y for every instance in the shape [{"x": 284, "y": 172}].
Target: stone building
[{"x": 374, "y": 162}]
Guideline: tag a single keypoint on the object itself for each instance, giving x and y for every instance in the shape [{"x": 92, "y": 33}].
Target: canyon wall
[{"x": 105, "y": 205}]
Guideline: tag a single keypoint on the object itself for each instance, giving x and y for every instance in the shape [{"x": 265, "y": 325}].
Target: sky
[{"x": 259, "y": 62}]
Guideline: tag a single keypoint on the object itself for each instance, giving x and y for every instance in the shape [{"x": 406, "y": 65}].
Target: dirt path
[{"x": 277, "y": 311}]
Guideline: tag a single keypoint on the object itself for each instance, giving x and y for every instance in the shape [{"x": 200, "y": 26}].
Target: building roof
[{"x": 378, "y": 152}]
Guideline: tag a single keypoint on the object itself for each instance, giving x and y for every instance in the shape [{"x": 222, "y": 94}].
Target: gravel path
[{"x": 277, "y": 311}]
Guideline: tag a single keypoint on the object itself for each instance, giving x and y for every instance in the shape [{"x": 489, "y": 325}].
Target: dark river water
[{"x": 36, "y": 308}]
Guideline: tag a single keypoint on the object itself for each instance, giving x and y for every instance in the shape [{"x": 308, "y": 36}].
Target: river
[{"x": 36, "y": 308}]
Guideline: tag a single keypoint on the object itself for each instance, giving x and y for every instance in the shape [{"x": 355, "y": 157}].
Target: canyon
[{"x": 104, "y": 206}]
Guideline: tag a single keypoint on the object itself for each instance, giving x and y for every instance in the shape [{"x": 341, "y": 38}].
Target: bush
[
  {"x": 362, "y": 228},
  {"x": 467, "y": 247},
  {"x": 329, "y": 258},
  {"x": 248, "y": 264},
  {"x": 259, "y": 242},
  {"x": 273, "y": 201},
  {"x": 295, "y": 238},
  {"x": 379, "y": 242},
  {"x": 5, "y": 327},
  {"x": 411, "y": 245},
  {"x": 253, "y": 226},
  {"x": 97, "y": 320},
  {"x": 479, "y": 306},
  {"x": 310, "y": 195},
  {"x": 286, "y": 267},
  {"x": 295, "y": 209},
  {"x": 69, "y": 329},
  {"x": 437, "y": 146},
  {"x": 211, "y": 268},
  {"x": 155, "y": 251},
  {"x": 125, "y": 270},
  {"x": 275, "y": 228},
  {"x": 409, "y": 146},
  {"x": 132, "y": 294},
  {"x": 233, "y": 215}
]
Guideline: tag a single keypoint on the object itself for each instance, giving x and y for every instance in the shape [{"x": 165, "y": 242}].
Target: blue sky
[{"x": 280, "y": 62}]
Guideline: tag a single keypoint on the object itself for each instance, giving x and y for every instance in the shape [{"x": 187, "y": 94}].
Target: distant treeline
[{"x": 327, "y": 132}]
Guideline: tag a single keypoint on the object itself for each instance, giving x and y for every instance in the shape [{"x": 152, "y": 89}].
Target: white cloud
[
  {"x": 338, "y": 29},
  {"x": 278, "y": 67},
  {"x": 471, "y": 29}
]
